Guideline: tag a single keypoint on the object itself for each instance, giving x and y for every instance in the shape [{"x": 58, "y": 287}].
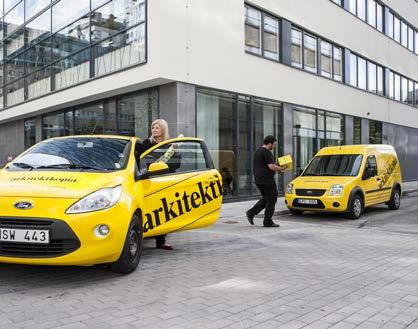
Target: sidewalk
[{"x": 238, "y": 209}]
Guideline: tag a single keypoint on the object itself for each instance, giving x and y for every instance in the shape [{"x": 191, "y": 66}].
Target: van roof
[{"x": 356, "y": 149}]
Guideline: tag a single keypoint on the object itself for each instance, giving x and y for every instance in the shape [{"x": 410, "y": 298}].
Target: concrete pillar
[
  {"x": 38, "y": 129},
  {"x": 364, "y": 131},
  {"x": 349, "y": 130},
  {"x": 286, "y": 42},
  {"x": 287, "y": 139}
]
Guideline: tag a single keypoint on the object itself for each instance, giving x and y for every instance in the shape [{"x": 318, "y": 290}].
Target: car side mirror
[{"x": 157, "y": 168}]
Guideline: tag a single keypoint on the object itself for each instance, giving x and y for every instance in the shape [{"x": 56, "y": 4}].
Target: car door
[
  {"x": 188, "y": 195},
  {"x": 371, "y": 181}
]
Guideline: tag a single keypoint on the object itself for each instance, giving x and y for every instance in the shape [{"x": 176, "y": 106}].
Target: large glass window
[
  {"x": 390, "y": 25},
  {"x": 334, "y": 133},
  {"x": 404, "y": 34},
  {"x": 353, "y": 6},
  {"x": 380, "y": 80},
  {"x": 326, "y": 59},
  {"x": 371, "y": 12},
  {"x": 396, "y": 29},
  {"x": 353, "y": 70},
  {"x": 15, "y": 68},
  {"x": 361, "y": 9},
  {"x": 252, "y": 30},
  {"x": 67, "y": 11},
  {"x": 304, "y": 136},
  {"x": 39, "y": 28},
  {"x": 416, "y": 94},
  {"x": 15, "y": 93},
  {"x": 71, "y": 70},
  {"x": 89, "y": 119},
  {"x": 338, "y": 64},
  {"x": 410, "y": 39},
  {"x": 375, "y": 132},
  {"x": 356, "y": 130},
  {"x": 410, "y": 98},
  {"x": 35, "y": 6},
  {"x": 379, "y": 17},
  {"x": 296, "y": 47},
  {"x": 362, "y": 73},
  {"x": 54, "y": 125},
  {"x": 310, "y": 55},
  {"x": 404, "y": 89},
  {"x": 30, "y": 132},
  {"x": 371, "y": 77},
  {"x": 391, "y": 85},
  {"x": 39, "y": 83},
  {"x": 397, "y": 86},
  {"x": 15, "y": 44},
  {"x": 244, "y": 162},
  {"x": 15, "y": 18},
  {"x": 271, "y": 37},
  {"x": 38, "y": 56}
]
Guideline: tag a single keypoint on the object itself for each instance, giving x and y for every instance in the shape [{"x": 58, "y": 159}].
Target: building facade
[{"x": 312, "y": 73}]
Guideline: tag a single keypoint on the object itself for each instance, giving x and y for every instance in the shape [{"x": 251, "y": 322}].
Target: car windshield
[
  {"x": 84, "y": 153},
  {"x": 334, "y": 165}
]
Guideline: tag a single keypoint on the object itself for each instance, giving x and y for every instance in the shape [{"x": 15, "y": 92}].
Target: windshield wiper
[
  {"x": 70, "y": 166},
  {"x": 23, "y": 165}
]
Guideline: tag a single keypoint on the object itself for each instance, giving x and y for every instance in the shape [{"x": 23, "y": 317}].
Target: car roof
[
  {"x": 355, "y": 149},
  {"x": 96, "y": 136}
]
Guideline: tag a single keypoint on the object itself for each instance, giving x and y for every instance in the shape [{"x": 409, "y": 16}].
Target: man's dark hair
[{"x": 269, "y": 140}]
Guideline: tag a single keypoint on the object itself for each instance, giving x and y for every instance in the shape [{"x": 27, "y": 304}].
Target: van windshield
[
  {"x": 334, "y": 165},
  {"x": 78, "y": 153}
]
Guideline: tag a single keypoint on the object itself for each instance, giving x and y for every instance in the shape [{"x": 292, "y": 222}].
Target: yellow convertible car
[{"x": 85, "y": 200}]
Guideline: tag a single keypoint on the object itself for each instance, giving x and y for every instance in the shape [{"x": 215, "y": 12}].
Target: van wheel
[
  {"x": 395, "y": 199},
  {"x": 356, "y": 207},
  {"x": 295, "y": 212},
  {"x": 132, "y": 249}
]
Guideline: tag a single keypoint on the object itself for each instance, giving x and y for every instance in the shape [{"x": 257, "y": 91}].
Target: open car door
[{"x": 184, "y": 194}]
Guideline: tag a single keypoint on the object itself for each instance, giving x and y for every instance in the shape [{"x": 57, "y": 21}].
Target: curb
[{"x": 409, "y": 191}]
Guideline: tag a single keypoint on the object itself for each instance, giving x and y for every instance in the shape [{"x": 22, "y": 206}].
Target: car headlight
[
  {"x": 289, "y": 188},
  {"x": 99, "y": 200},
  {"x": 336, "y": 190}
]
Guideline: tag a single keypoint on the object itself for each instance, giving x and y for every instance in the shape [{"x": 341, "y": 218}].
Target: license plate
[
  {"x": 307, "y": 201},
  {"x": 23, "y": 235}
]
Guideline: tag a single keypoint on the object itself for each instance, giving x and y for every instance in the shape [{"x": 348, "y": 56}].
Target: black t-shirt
[{"x": 262, "y": 173}]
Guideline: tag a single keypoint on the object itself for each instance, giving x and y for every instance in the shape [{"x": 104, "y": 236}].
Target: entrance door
[{"x": 188, "y": 195}]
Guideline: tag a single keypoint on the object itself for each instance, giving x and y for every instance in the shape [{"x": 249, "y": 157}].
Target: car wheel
[
  {"x": 132, "y": 249},
  {"x": 296, "y": 212},
  {"x": 395, "y": 199},
  {"x": 356, "y": 207}
]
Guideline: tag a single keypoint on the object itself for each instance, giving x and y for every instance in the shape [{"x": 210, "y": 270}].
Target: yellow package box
[{"x": 286, "y": 160}]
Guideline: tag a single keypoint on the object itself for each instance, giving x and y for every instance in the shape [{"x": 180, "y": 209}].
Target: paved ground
[{"x": 312, "y": 272}]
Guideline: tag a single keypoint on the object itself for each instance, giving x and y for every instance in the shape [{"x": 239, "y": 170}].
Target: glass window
[
  {"x": 33, "y": 7},
  {"x": 356, "y": 130},
  {"x": 252, "y": 30},
  {"x": 362, "y": 73},
  {"x": 335, "y": 165},
  {"x": 371, "y": 77},
  {"x": 97, "y": 3},
  {"x": 391, "y": 85},
  {"x": 120, "y": 51},
  {"x": 71, "y": 39},
  {"x": 14, "y": 19},
  {"x": 410, "y": 38},
  {"x": 15, "y": 68},
  {"x": 304, "y": 136},
  {"x": 334, "y": 129},
  {"x": 397, "y": 29},
  {"x": 416, "y": 94},
  {"x": 89, "y": 120},
  {"x": 338, "y": 2},
  {"x": 338, "y": 64},
  {"x": 353, "y": 6},
  {"x": 116, "y": 16},
  {"x": 380, "y": 80},
  {"x": 8, "y": 4},
  {"x": 244, "y": 174},
  {"x": 134, "y": 111},
  {"x": 326, "y": 59},
  {"x": 72, "y": 70},
  {"x": 296, "y": 48},
  {"x": 397, "y": 87},
  {"x": 379, "y": 17},
  {"x": 361, "y": 9},
  {"x": 65, "y": 12},
  {"x": 30, "y": 132},
  {"x": 353, "y": 70},
  {"x": 38, "y": 56},
  {"x": 371, "y": 12},
  {"x": 39, "y": 28},
  {"x": 404, "y": 90},
  {"x": 310, "y": 55},
  {"x": 404, "y": 34},
  {"x": 15, "y": 44},
  {"x": 271, "y": 37},
  {"x": 375, "y": 132},
  {"x": 390, "y": 25},
  {"x": 416, "y": 42},
  {"x": 39, "y": 83},
  {"x": 15, "y": 93},
  {"x": 53, "y": 125},
  {"x": 410, "y": 98}
]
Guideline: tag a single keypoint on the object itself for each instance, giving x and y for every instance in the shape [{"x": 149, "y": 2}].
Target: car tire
[
  {"x": 295, "y": 212},
  {"x": 395, "y": 199},
  {"x": 132, "y": 248},
  {"x": 356, "y": 207}
]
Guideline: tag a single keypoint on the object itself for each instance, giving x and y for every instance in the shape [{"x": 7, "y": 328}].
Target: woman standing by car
[{"x": 159, "y": 134}]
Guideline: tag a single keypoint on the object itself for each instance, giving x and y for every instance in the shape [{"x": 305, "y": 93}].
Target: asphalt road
[{"x": 314, "y": 271}]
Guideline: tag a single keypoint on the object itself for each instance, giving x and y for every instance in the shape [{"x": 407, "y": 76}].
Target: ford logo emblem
[
  {"x": 23, "y": 205},
  {"x": 309, "y": 192}
]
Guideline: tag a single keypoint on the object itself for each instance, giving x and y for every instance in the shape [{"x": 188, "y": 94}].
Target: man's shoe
[
  {"x": 165, "y": 247},
  {"x": 250, "y": 218},
  {"x": 271, "y": 225}
]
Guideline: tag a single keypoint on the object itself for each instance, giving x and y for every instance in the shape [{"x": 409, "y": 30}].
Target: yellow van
[
  {"x": 85, "y": 200},
  {"x": 347, "y": 179}
]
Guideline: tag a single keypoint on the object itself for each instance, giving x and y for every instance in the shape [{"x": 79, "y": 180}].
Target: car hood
[
  {"x": 321, "y": 182},
  {"x": 57, "y": 184}
]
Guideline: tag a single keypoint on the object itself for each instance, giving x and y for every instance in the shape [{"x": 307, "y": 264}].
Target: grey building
[{"x": 313, "y": 73}]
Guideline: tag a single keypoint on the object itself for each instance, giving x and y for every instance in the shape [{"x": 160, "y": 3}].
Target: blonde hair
[{"x": 164, "y": 126}]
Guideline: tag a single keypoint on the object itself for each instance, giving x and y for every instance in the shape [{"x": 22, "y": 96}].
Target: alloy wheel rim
[
  {"x": 357, "y": 207},
  {"x": 397, "y": 199},
  {"x": 133, "y": 243}
]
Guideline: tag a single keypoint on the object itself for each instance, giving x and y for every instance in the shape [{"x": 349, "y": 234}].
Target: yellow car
[
  {"x": 85, "y": 200},
  {"x": 347, "y": 179}
]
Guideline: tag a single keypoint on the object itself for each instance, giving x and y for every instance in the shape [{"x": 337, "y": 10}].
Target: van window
[
  {"x": 372, "y": 165},
  {"x": 334, "y": 165}
]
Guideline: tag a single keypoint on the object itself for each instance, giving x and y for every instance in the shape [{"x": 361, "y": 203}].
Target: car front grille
[
  {"x": 309, "y": 192},
  {"x": 62, "y": 239}
]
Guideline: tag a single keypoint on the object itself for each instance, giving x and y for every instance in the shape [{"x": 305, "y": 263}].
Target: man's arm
[{"x": 275, "y": 167}]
